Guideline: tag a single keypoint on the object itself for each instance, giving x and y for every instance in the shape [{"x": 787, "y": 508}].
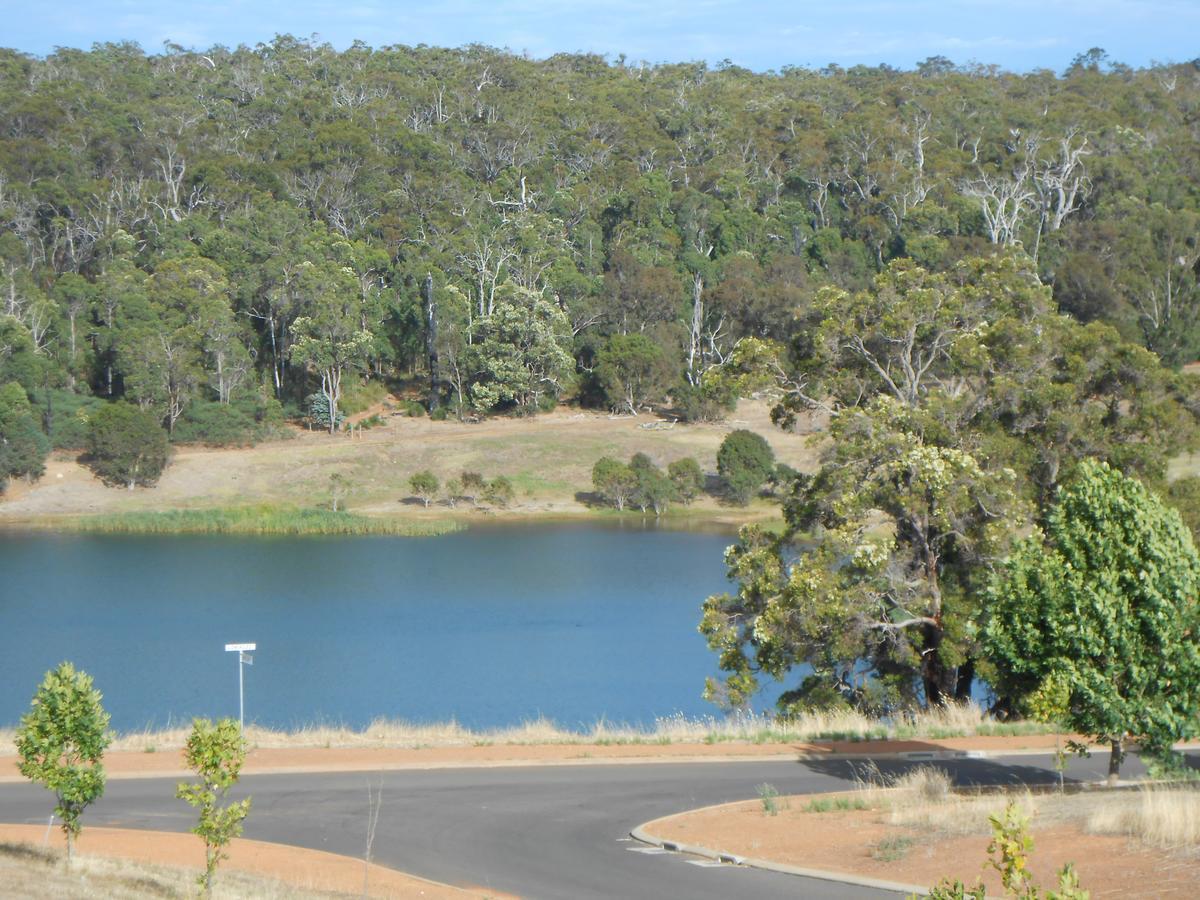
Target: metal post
[
  {"x": 243, "y": 661},
  {"x": 241, "y": 695}
]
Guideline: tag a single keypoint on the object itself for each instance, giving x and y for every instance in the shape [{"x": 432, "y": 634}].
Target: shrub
[
  {"x": 499, "y": 492},
  {"x": 68, "y": 414},
  {"x": 23, "y": 447},
  {"x": 316, "y": 410},
  {"x": 216, "y": 424},
  {"x": 744, "y": 461}
]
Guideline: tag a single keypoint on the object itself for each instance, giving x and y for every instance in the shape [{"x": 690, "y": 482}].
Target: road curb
[{"x": 640, "y": 834}]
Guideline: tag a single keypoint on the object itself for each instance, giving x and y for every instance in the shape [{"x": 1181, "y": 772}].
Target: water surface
[{"x": 490, "y": 626}]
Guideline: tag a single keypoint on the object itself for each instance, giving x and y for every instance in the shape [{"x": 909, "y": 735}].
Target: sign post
[{"x": 244, "y": 659}]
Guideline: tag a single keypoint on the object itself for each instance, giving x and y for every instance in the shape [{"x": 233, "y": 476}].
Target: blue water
[{"x": 489, "y": 627}]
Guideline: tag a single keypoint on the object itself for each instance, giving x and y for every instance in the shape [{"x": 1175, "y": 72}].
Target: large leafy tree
[
  {"x": 126, "y": 445},
  {"x": 61, "y": 741},
  {"x": 1094, "y": 620},
  {"x": 958, "y": 400}
]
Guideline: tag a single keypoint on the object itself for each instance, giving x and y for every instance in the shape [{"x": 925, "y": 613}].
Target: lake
[{"x": 490, "y": 627}]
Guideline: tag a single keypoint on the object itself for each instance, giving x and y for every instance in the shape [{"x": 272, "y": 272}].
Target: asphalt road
[{"x": 538, "y": 832}]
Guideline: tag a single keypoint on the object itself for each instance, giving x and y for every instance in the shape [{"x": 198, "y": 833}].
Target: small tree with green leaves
[
  {"x": 614, "y": 481},
  {"x": 215, "y": 751},
  {"x": 744, "y": 461},
  {"x": 1094, "y": 622},
  {"x": 499, "y": 491},
  {"x": 425, "y": 485},
  {"x": 60, "y": 743},
  {"x": 472, "y": 485},
  {"x": 653, "y": 490},
  {"x": 687, "y": 477}
]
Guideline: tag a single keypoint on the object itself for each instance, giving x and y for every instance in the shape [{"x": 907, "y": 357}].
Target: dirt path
[{"x": 311, "y": 870}]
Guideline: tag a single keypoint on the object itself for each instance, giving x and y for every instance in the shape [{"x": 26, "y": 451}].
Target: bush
[
  {"x": 359, "y": 396},
  {"x": 614, "y": 481},
  {"x": 216, "y": 424},
  {"x": 23, "y": 447},
  {"x": 316, "y": 408},
  {"x": 127, "y": 445},
  {"x": 414, "y": 409},
  {"x": 745, "y": 462},
  {"x": 702, "y": 404},
  {"x": 68, "y": 417}
]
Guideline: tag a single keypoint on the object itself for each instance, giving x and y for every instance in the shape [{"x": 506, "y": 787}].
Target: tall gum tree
[{"x": 958, "y": 400}]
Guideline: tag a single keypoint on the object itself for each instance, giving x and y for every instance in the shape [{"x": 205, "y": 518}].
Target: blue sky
[{"x": 758, "y": 34}]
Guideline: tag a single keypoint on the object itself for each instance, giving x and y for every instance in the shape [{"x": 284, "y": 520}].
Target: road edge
[{"x": 640, "y": 834}]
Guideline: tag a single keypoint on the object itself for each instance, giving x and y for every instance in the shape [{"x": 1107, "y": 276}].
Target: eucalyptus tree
[{"x": 958, "y": 403}]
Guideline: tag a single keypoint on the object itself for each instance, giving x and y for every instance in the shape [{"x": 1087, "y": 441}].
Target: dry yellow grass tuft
[
  {"x": 1164, "y": 817},
  {"x": 36, "y": 872}
]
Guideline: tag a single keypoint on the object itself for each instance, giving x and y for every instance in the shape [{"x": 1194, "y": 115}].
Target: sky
[{"x": 1019, "y": 35}]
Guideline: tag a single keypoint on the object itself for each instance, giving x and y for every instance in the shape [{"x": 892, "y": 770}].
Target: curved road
[{"x": 538, "y": 831}]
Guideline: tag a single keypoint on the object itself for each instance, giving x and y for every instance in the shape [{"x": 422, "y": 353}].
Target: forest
[{"x": 230, "y": 236}]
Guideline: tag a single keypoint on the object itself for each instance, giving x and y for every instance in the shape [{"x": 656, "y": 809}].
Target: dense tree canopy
[
  {"x": 959, "y": 400},
  {"x": 1095, "y": 620},
  {"x": 186, "y": 227}
]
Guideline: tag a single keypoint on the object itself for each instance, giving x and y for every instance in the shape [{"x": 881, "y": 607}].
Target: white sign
[{"x": 241, "y": 647}]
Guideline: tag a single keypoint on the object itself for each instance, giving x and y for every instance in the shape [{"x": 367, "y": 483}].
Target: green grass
[
  {"x": 836, "y": 804},
  {"x": 257, "y": 520},
  {"x": 891, "y": 849}
]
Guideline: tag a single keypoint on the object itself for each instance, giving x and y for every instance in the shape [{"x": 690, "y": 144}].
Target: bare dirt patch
[
  {"x": 865, "y": 842},
  {"x": 308, "y": 870},
  {"x": 549, "y": 458}
]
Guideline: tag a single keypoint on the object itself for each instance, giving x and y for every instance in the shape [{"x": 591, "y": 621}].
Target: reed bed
[{"x": 265, "y": 520}]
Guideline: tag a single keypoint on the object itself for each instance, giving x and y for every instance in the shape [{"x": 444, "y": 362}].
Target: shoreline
[{"x": 158, "y": 522}]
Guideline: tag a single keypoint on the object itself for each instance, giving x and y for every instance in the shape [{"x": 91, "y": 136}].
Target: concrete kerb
[{"x": 640, "y": 834}]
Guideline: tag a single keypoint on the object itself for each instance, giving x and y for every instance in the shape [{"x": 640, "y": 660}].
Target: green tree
[
  {"x": 331, "y": 340},
  {"x": 23, "y": 447},
  {"x": 425, "y": 485},
  {"x": 1094, "y": 621},
  {"x": 126, "y": 445},
  {"x": 522, "y": 353},
  {"x": 744, "y": 461},
  {"x": 956, "y": 402},
  {"x": 653, "y": 489},
  {"x": 61, "y": 741},
  {"x": 473, "y": 486},
  {"x": 614, "y": 481},
  {"x": 632, "y": 370},
  {"x": 215, "y": 751},
  {"x": 687, "y": 477}
]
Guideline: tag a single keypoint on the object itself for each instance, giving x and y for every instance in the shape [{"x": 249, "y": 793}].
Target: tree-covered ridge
[{"x": 191, "y": 225}]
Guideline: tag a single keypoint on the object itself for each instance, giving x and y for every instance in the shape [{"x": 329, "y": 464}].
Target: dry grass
[
  {"x": 951, "y": 721},
  {"x": 1166, "y": 818},
  {"x": 35, "y": 872}
]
